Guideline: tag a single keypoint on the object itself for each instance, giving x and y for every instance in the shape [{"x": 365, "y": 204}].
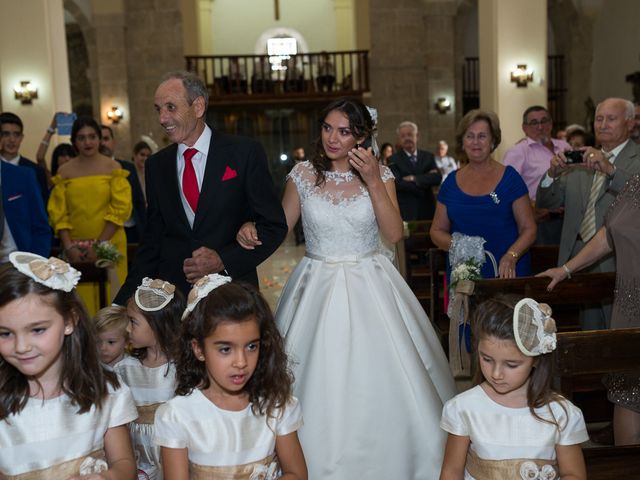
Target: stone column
[
  {"x": 398, "y": 65},
  {"x": 154, "y": 47},
  {"x": 109, "y": 28},
  {"x": 440, "y": 74}
]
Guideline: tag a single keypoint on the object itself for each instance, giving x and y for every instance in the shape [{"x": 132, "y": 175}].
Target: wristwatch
[{"x": 51, "y": 130}]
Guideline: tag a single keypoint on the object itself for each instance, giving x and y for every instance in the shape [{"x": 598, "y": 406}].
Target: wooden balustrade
[{"x": 248, "y": 77}]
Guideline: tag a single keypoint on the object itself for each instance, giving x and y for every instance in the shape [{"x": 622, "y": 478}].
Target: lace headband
[
  {"x": 533, "y": 327},
  {"x": 53, "y": 272},
  {"x": 154, "y": 294},
  {"x": 202, "y": 288}
]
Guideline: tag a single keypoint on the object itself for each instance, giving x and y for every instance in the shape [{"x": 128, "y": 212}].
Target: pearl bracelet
[{"x": 566, "y": 269}]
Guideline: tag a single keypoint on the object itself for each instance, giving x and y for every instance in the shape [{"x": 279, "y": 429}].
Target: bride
[{"x": 370, "y": 373}]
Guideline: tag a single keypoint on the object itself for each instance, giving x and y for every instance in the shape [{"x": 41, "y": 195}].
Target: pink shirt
[{"x": 532, "y": 160}]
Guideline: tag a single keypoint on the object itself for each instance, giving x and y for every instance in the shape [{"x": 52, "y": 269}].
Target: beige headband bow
[
  {"x": 167, "y": 287},
  {"x": 45, "y": 269}
]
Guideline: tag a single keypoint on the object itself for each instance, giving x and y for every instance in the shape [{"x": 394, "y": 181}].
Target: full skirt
[{"x": 370, "y": 372}]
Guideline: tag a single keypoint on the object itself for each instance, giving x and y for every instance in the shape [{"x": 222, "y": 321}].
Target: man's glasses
[{"x": 542, "y": 121}]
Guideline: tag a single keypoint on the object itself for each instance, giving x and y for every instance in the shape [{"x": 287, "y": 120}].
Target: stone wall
[{"x": 154, "y": 47}]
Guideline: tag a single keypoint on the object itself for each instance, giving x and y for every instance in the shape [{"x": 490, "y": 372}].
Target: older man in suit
[
  {"x": 416, "y": 173},
  {"x": 590, "y": 187},
  {"x": 200, "y": 190}
]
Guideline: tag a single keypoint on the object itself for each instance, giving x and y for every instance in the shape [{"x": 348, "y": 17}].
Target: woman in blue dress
[{"x": 486, "y": 199}]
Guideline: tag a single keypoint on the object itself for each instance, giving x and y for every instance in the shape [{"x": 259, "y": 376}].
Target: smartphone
[
  {"x": 574, "y": 156},
  {"x": 366, "y": 144},
  {"x": 64, "y": 122}
]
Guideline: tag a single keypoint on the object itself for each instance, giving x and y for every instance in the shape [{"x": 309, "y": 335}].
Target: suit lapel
[
  {"x": 212, "y": 177},
  {"x": 624, "y": 160},
  {"x": 169, "y": 182}
]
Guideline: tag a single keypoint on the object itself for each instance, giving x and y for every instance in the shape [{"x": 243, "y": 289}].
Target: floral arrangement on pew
[{"x": 466, "y": 257}]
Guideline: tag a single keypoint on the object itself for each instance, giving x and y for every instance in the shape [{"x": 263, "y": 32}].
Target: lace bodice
[{"x": 337, "y": 217}]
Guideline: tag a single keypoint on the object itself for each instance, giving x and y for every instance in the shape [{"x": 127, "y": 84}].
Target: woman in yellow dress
[{"x": 89, "y": 202}]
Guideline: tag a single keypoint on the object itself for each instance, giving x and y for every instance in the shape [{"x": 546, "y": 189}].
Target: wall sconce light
[
  {"x": 25, "y": 92},
  {"x": 443, "y": 105},
  {"x": 521, "y": 76},
  {"x": 115, "y": 114}
]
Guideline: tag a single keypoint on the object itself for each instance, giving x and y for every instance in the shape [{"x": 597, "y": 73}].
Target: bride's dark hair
[{"x": 360, "y": 124}]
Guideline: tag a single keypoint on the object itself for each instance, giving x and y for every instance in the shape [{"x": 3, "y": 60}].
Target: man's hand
[{"x": 202, "y": 262}]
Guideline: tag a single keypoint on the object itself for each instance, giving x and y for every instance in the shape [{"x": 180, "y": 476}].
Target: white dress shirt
[{"x": 199, "y": 161}]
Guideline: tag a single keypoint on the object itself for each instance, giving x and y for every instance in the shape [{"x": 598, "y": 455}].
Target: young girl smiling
[{"x": 62, "y": 414}]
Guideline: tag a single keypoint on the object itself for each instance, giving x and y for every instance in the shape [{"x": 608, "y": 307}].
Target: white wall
[
  {"x": 236, "y": 25},
  {"x": 41, "y": 57},
  {"x": 616, "y": 48},
  {"x": 503, "y": 44}
]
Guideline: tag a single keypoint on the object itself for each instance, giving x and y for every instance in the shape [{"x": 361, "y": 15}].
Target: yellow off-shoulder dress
[{"x": 83, "y": 205}]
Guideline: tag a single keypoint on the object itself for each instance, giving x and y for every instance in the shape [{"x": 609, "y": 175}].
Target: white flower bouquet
[
  {"x": 107, "y": 252},
  {"x": 467, "y": 270}
]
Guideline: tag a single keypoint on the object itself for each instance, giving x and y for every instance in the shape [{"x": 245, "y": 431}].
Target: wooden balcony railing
[{"x": 303, "y": 76}]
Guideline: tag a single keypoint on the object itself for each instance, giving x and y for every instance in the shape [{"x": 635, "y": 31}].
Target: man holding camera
[
  {"x": 531, "y": 157},
  {"x": 590, "y": 187}
]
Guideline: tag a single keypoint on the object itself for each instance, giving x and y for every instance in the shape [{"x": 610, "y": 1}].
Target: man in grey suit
[
  {"x": 589, "y": 188},
  {"x": 416, "y": 174}
]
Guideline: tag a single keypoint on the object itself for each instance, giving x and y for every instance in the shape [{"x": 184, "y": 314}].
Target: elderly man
[
  {"x": 635, "y": 132},
  {"x": 589, "y": 188},
  {"x": 200, "y": 190},
  {"x": 416, "y": 173}
]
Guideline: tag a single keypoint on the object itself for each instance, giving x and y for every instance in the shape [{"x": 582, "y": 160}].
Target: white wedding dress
[{"x": 369, "y": 370}]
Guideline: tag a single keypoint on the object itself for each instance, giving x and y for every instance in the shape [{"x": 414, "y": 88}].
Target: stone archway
[{"x": 83, "y": 65}]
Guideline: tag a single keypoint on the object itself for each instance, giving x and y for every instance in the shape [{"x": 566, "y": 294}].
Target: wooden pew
[
  {"x": 570, "y": 293},
  {"x": 416, "y": 248},
  {"x": 581, "y": 360},
  {"x": 542, "y": 258}
]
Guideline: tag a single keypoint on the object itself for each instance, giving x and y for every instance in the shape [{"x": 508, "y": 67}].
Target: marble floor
[{"x": 274, "y": 271}]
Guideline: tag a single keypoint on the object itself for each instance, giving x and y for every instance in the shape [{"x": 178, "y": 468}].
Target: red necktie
[{"x": 189, "y": 180}]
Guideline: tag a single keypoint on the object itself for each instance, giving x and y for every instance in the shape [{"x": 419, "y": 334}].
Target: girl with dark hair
[
  {"x": 154, "y": 322},
  {"x": 512, "y": 425},
  {"x": 234, "y": 416},
  {"x": 62, "y": 414},
  {"x": 89, "y": 203},
  {"x": 370, "y": 372}
]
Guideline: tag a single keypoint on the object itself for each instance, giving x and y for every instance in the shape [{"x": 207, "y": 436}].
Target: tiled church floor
[{"x": 273, "y": 272}]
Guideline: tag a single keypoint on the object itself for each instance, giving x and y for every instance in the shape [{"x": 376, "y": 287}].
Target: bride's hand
[
  {"x": 365, "y": 163},
  {"x": 247, "y": 236}
]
